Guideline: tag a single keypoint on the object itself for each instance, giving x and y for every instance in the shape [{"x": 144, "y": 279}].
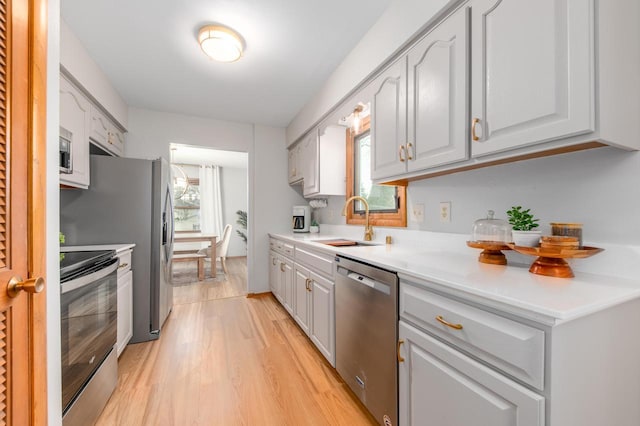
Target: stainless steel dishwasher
[{"x": 366, "y": 335}]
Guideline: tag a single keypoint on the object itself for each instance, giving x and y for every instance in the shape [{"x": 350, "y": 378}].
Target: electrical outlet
[
  {"x": 445, "y": 211},
  {"x": 417, "y": 213},
  {"x": 329, "y": 214}
]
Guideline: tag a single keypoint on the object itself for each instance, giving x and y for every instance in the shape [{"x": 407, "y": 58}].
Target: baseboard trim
[{"x": 252, "y": 295}]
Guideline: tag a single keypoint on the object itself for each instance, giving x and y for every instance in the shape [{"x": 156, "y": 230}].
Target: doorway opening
[{"x": 210, "y": 189}]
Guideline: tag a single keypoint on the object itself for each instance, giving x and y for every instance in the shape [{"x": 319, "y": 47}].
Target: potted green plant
[
  {"x": 523, "y": 223},
  {"x": 314, "y": 228}
]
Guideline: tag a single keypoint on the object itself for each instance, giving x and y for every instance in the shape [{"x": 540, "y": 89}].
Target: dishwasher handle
[{"x": 361, "y": 279}]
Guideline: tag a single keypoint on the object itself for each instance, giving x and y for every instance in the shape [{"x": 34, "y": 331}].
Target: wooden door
[
  {"x": 389, "y": 121},
  {"x": 441, "y": 386},
  {"x": 438, "y": 97},
  {"x": 22, "y": 209},
  {"x": 532, "y": 71}
]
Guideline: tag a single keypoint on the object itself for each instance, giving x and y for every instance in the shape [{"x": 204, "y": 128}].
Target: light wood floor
[
  {"x": 232, "y": 285},
  {"x": 234, "y": 361}
]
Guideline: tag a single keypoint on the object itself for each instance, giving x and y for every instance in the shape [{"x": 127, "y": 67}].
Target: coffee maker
[{"x": 301, "y": 218}]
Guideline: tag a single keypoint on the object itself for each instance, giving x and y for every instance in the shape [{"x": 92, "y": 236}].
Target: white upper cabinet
[
  {"x": 75, "y": 116},
  {"x": 310, "y": 156},
  {"x": 389, "y": 121},
  {"x": 532, "y": 72},
  {"x": 438, "y": 97},
  {"x": 295, "y": 174},
  {"x": 321, "y": 163}
]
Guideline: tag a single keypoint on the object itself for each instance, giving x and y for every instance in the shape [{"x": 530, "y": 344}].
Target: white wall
[
  {"x": 270, "y": 207},
  {"x": 54, "y": 362},
  {"x": 270, "y": 197},
  {"x": 400, "y": 22},
  {"x": 75, "y": 58},
  {"x": 234, "y": 197},
  {"x": 598, "y": 188}
]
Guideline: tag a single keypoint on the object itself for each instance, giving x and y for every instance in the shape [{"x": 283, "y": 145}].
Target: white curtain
[{"x": 210, "y": 201}]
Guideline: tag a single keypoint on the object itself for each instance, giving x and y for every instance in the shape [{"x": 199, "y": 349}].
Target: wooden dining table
[{"x": 195, "y": 238}]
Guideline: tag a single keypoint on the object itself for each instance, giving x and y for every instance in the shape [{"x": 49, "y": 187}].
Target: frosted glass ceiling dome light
[{"x": 220, "y": 43}]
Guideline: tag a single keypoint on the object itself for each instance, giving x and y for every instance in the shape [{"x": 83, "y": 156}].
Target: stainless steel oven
[{"x": 88, "y": 332}]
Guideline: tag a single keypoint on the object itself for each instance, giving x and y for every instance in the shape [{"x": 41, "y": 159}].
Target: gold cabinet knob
[{"x": 32, "y": 285}]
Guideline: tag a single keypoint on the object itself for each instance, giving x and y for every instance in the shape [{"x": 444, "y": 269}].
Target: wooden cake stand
[
  {"x": 551, "y": 261},
  {"x": 491, "y": 251}
]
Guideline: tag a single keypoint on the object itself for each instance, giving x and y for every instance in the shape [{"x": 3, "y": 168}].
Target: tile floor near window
[{"x": 232, "y": 361}]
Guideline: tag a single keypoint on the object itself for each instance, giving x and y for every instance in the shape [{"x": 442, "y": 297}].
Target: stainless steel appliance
[
  {"x": 129, "y": 201},
  {"x": 367, "y": 334},
  {"x": 301, "y": 219},
  {"x": 66, "y": 157},
  {"x": 88, "y": 325}
]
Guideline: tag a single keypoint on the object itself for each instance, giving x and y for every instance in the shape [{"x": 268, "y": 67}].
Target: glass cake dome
[{"x": 491, "y": 230}]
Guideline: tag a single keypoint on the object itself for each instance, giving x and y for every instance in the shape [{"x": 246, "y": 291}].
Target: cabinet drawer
[
  {"x": 288, "y": 249},
  {"x": 125, "y": 262},
  {"x": 512, "y": 347},
  {"x": 323, "y": 263}
]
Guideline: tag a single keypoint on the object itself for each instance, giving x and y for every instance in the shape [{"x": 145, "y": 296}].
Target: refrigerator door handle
[{"x": 164, "y": 228}]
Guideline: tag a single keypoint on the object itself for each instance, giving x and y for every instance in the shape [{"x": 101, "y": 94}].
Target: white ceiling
[
  {"x": 185, "y": 154},
  {"x": 148, "y": 50}
]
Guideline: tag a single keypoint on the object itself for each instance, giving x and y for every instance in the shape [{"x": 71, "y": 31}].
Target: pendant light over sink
[{"x": 220, "y": 43}]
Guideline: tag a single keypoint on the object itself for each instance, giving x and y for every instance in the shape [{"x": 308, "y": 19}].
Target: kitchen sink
[{"x": 341, "y": 242}]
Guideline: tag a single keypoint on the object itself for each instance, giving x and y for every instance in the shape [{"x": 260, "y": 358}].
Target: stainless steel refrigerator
[{"x": 129, "y": 201}]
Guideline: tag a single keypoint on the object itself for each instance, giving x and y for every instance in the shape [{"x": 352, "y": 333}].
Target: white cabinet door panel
[
  {"x": 75, "y": 116},
  {"x": 286, "y": 284},
  {"x": 309, "y": 156},
  {"x": 389, "y": 121},
  {"x": 441, "y": 386},
  {"x": 437, "y": 96},
  {"x": 301, "y": 296},
  {"x": 323, "y": 317},
  {"x": 533, "y": 71},
  {"x": 125, "y": 311}
]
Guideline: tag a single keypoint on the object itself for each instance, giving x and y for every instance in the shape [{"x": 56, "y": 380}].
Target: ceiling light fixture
[{"x": 220, "y": 43}]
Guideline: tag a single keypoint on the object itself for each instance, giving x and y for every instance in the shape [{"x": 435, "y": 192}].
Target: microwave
[{"x": 66, "y": 159}]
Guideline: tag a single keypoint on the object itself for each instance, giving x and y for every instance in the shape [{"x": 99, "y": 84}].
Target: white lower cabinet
[
  {"x": 125, "y": 301},
  {"x": 125, "y": 311},
  {"x": 286, "y": 283},
  {"x": 281, "y": 279},
  {"x": 302, "y": 298},
  {"x": 313, "y": 310},
  {"x": 323, "y": 325},
  {"x": 306, "y": 291},
  {"x": 439, "y": 385},
  {"x": 274, "y": 275}
]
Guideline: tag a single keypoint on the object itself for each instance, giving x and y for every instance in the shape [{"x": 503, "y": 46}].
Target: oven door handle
[{"x": 88, "y": 279}]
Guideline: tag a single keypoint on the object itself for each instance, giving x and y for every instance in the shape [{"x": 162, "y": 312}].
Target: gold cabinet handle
[
  {"x": 448, "y": 324},
  {"x": 32, "y": 285},
  {"x": 273, "y": 262},
  {"x": 122, "y": 266},
  {"x": 309, "y": 285},
  {"x": 400, "y": 151},
  {"x": 400, "y": 358},
  {"x": 474, "y": 123},
  {"x": 409, "y": 151},
  {"x": 282, "y": 267}
]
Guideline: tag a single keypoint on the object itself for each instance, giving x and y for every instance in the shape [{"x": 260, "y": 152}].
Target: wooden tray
[
  {"x": 491, "y": 251},
  {"x": 551, "y": 261}
]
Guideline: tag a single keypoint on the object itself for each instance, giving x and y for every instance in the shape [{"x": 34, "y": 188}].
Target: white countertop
[
  {"x": 119, "y": 248},
  {"x": 453, "y": 267}
]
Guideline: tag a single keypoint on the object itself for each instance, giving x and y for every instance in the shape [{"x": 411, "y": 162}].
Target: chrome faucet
[{"x": 368, "y": 229}]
